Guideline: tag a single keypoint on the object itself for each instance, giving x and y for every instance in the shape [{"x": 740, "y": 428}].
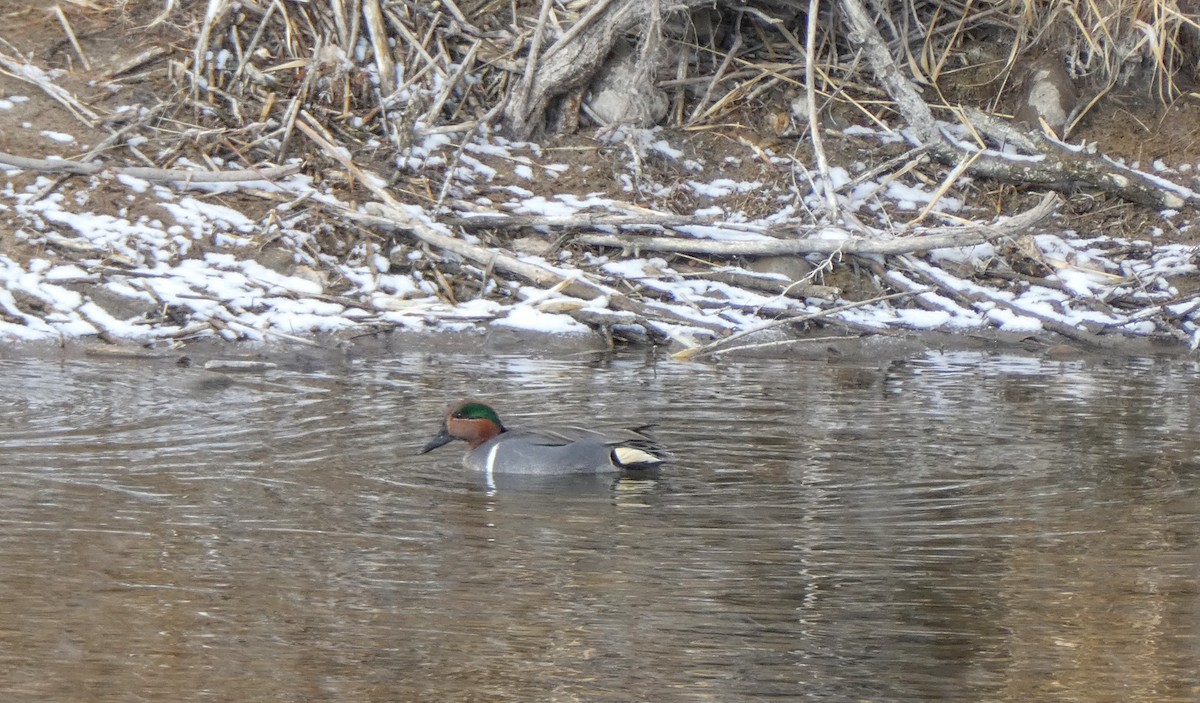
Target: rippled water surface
[{"x": 945, "y": 527}]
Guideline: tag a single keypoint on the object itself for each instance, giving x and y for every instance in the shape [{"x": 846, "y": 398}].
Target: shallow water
[{"x": 946, "y": 527}]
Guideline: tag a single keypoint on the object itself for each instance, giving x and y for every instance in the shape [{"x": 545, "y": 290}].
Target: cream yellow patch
[{"x": 632, "y": 455}]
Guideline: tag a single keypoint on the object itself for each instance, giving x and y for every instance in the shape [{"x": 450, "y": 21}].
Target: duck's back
[{"x": 563, "y": 450}]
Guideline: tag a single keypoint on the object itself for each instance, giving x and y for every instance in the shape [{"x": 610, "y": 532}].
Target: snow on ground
[{"x": 195, "y": 269}]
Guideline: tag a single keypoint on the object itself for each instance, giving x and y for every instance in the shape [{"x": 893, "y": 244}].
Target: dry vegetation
[
  {"x": 368, "y": 69},
  {"x": 349, "y": 86}
]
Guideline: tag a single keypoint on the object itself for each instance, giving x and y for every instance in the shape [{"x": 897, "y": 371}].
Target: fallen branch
[
  {"x": 157, "y": 175},
  {"x": 842, "y": 242},
  {"x": 767, "y": 283},
  {"x": 1060, "y": 165},
  {"x": 585, "y": 221},
  {"x": 758, "y": 346}
]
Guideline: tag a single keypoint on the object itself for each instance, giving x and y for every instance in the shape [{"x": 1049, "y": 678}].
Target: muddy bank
[{"x": 332, "y": 351}]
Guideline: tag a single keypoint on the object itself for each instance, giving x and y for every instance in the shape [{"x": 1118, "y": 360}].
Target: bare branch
[
  {"x": 149, "y": 174},
  {"x": 841, "y": 241}
]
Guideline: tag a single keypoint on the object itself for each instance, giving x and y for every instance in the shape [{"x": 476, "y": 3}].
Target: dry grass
[
  {"x": 1118, "y": 40},
  {"x": 376, "y": 73}
]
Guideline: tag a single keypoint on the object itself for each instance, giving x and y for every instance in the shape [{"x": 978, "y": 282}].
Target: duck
[{"x": 494, "y": 448}]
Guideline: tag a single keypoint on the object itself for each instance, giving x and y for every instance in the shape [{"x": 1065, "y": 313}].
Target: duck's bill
[{"x": 442, "y": 437}]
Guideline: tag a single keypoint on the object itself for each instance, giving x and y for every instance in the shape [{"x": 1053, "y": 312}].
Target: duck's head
[{"x": 472, "y": 421}]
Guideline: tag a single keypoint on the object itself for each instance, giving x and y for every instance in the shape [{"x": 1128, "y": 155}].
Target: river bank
[{"x": 629, "y": 236}]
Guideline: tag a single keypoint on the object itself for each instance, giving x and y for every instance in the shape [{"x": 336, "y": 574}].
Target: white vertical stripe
[{"x": 490, "y": 466}]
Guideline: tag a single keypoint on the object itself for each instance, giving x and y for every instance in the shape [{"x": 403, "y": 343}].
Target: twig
[
  {"x": 24, "y": 71},
  {"x": 785, "y": 342},
  {"x": 116, "y": 135},
  {"x": 535, "y": 47},
  {"x": 814, "y": 122},
  {"x": 140, "y": 59},
  {"x": 215, "y": 9},
  {"x": 586, "y": 221},
  {"x": 716, "y": 78},
  {"x": 457, "y": 13},
  {"x": 62, "y": 19},
  {"x": 947, "y": 183},
  {"x": 162, "y": 16},
  {"x": 432, "y": 115},
  {"x": 377, "y": 30}
]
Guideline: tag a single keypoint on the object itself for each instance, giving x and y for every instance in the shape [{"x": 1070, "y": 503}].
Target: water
[{"x": 945, "y": 527}]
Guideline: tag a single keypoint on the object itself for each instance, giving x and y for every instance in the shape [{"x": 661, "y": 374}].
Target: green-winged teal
[{"x": 496, "y": 449}]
